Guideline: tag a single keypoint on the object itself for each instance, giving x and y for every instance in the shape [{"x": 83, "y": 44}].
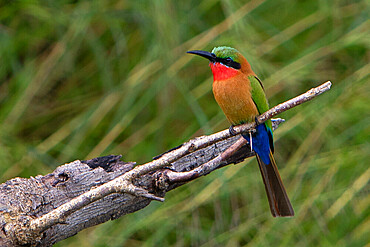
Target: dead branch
[{"x": 43, "y": 210}]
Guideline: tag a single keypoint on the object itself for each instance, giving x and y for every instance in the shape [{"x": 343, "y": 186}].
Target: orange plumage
[{"x": 234, "y": 97}]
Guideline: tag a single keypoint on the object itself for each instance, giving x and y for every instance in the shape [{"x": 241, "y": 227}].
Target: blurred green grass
[{"x": 81, "y": 79}]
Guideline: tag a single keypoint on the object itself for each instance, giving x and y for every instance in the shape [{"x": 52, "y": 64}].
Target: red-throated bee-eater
[{"x": 241, "y": 96}]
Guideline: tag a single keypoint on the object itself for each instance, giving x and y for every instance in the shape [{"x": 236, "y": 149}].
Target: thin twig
[
  {"x": 307, "y": 96},
  {"x": 176, "y": 177}
]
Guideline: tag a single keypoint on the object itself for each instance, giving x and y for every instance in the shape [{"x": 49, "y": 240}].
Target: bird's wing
[
  {"x": 258, "y": 94},
  {"x": 260, "y": 100}
]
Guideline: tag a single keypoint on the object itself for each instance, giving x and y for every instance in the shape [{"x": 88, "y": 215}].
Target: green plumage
[
  {"x": 225, "y": 52},
  {"x": 259, "y": 98}
]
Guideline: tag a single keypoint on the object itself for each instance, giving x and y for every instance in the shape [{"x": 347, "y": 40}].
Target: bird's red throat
[{"x": 222, "y": 72}]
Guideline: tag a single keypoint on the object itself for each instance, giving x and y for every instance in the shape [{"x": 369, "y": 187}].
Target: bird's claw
[
  {"x": 231, "y": 130},
  {"x": 256, "y": 121}
]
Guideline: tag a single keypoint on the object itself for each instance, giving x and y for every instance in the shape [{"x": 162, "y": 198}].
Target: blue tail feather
[{"x": 261, "y": 143}]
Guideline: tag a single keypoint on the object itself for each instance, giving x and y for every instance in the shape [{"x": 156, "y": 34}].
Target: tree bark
[{"x": 24, "y": 199}]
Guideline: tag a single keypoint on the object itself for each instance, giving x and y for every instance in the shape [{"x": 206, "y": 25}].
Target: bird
[{"x": 241, "y": 96}]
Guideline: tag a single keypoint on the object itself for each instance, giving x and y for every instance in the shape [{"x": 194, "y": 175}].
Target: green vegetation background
[{"x": 81, "y": 79}]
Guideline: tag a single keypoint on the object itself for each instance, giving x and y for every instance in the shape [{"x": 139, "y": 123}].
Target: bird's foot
[
  {"x": 257, "y": 121},
  {"x": 231, "y": 130}
]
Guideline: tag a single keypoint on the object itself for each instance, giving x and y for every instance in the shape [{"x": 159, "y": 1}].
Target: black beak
[{"x": 209, "y": 55}]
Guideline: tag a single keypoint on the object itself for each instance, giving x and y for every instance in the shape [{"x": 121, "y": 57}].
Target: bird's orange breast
[{"x": 234, "y": 97}]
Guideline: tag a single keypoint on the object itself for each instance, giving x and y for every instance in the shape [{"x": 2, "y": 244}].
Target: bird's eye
[{"x": 228, "y": 61}]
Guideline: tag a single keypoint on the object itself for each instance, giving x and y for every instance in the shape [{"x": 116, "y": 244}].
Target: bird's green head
[{"x": 225, "y": 52}]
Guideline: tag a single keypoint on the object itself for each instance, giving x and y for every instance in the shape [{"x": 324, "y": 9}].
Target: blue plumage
[{"x": 261, "y": 143}]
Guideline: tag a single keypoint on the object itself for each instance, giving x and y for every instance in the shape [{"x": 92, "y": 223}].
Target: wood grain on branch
[{"x": 43, "y": 210}]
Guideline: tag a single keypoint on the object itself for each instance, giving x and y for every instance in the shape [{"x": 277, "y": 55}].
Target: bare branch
[{"x": 146, "y": 182}]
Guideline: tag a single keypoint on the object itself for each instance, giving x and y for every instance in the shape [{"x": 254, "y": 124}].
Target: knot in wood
[
  {"x": 192, "y": 147},
  {"x": 161, "y": 181}
]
